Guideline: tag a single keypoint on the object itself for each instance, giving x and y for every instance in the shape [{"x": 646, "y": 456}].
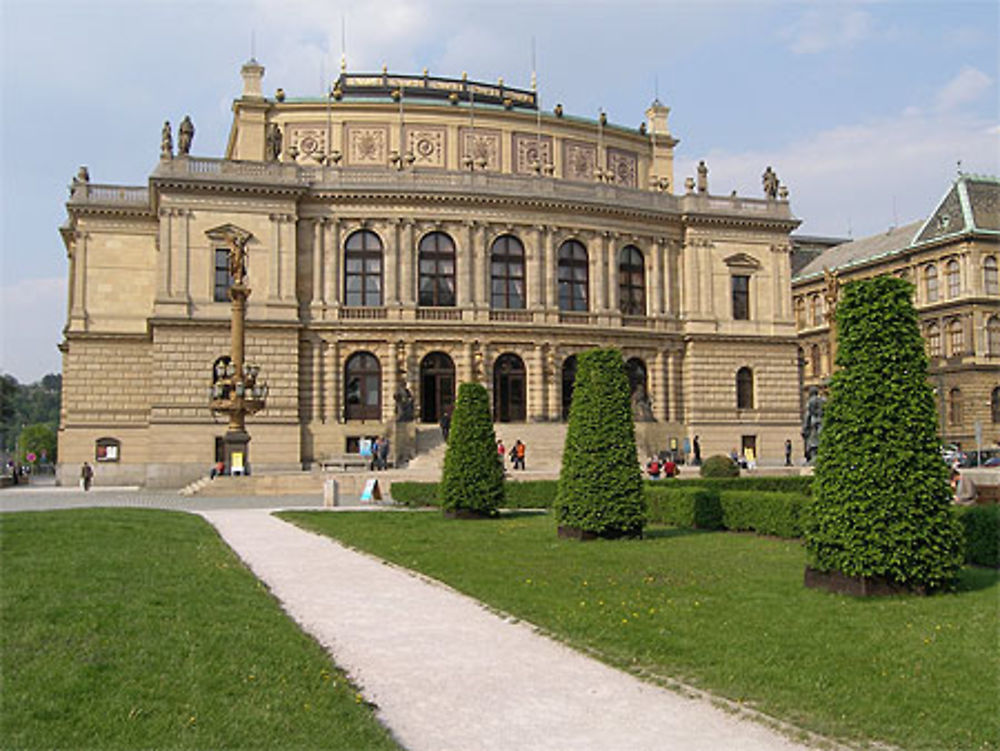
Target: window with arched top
[
  {"x": 573, "y": 276},
  {"x": 993, "y": 336},
  {"x": 744, "y": 388},
  {"x": 954, "y": 277},
  {"x": 363, "y": 269},
  {"x": 816, "y": 310},
  {"x": 816, "y": 361},
  {"x": 991, "y": 279},
  {"x": 931, "y": 283},
  {"x": 362, "y": 387},
  {"x": 800, "y": 313},
  {"x": 631, "y": 282},
  {"x": 955, "y": 406},
  {"x": 507, "y": 274},
  {"x": 956, "y": 338},
  {"x": 437, "y": 270},
  {"x": 933, "y": 340}
]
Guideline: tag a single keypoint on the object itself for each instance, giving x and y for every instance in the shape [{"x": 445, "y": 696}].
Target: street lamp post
[{"x": 235, "y": 389}]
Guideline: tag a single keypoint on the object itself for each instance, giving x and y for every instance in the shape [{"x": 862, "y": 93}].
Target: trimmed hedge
[
  {"x": 472, "y": 476},
  {"x": 527, "y": 494},
  {"x": 719, "y": 466},
  {"x": 981, "y": 525},
  {"x": 696, "y": 507},
  {"x": 764, "y": 513},
  {"x": 777, "y": 484}
]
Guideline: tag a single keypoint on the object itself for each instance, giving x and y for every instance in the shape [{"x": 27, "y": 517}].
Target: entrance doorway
[
  {"x": 509, "y": 389},
  {"x": 437, "y": 386}
]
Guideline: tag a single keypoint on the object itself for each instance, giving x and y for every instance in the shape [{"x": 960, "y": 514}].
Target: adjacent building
[
  {"x": 952, "y": 258},
  {"x": 405, "y": 234}
]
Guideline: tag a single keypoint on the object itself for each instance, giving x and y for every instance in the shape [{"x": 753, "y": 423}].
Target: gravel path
[{"x": 448, "y": 675}]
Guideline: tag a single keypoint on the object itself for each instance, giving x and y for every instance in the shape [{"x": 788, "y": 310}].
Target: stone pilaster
[
  {"x": 660, "y": 387},
  {"x": 78, "y": 287},
  {"x": 331, "y": 262},
  {"x": 336, "y": 390},
  {"x": 407, "y": 264},
  {"x": 465, "y": 271},
  {"x": 657, "y": 277},
  {"x": 482, "y": 267},
  {"x": 535, "y": 384},
  {"x": 553, "y": 382},
  {"x": 317, "y": 264}
]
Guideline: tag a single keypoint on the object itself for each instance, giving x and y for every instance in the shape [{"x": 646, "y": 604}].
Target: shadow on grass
[
  {"x": 975, "y": 578},
  {"x": 666, "y": 533}
]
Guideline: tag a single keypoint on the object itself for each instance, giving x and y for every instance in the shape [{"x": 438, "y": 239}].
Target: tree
[
  {"x": 38, "y": 439},
  {"x": 600, "y": 485},
  {"x": 881, "y": 502},
  {"x": 472, "y": 477}
]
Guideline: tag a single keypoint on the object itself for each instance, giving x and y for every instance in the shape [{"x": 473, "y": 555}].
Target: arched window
[
  {"x": 995, "y": 405},
  {"x": 362, "y": 387},
  {"x": 509, "y": 389},
  {"x": 933, "y": 340},
  {"x": 507, "y": 273},
  {"x": 800, "y": 313},
  {"x": 437, "y": 270},
  {"x": 816, "y": 360},
  {"x": 956, "y": 341},
  {"x": 631, "y": 282},
  {"x": 954, "y": 278},
  {"x": 991, "y": 282},
  {"x": 955, "y": 406},
  {"x": 993, "y": 336},
  {"x": 816, "y": 313},
  {"x": 363, "y": 269},
  {"x": 931, "y": 283},
  {"x": 573, "y": 276},
  {"x": 744, "y": 388}
]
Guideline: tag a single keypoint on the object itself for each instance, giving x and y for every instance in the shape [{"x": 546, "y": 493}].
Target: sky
[{"x": 863, "y": 108}]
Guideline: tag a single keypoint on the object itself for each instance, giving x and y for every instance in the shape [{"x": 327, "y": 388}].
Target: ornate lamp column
[{"x": 235, "y": 390}]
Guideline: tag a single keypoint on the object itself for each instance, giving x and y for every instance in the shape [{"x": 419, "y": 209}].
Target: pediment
[
  {"x": 743, "y": 261},
  {"x": 225, "y": 232}
]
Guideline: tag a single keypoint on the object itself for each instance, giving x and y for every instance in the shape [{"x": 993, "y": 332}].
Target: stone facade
[
  {"x": 951, "y": 257},
  {"x": 419, "y": 240}
]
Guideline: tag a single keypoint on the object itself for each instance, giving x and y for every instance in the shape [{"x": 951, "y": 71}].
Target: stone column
[
  {"x": 535, "y": 384},
  {"x": 331, "y": 260},
  {"x": 407, "y": 264},
  {"x": 390, "y": 379},
  {"x": 316, "y": 347},
  {"x": 336, "y": 389},
  {"x": 465, "y": 271},
  {"x": 274, "y": 266},
  {"x": 661, "y": 387},
  {"x": 317, "y": 258},
  {"x": 534, "y": 271},
  {"x": 163, "y": 255},
  {"x": 184, "y": 254},
  {"x": 658, "y": 278},
  {"x": 611, "y": 286},
  {"x": 551, "y": 271},
  {"x": 554, "y": 383},
  {"x": 676, "y": 392},
  {"x": 482, "y": 267},
  {"x": 595, "y": 255},
  {"x": 390, "y": 263},
  {"x": 673, "y": 278},
  {"x": 78, "y": 288},
  {"x": 287, "y": 251}
]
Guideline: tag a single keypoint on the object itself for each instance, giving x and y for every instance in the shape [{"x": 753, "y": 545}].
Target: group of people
[
  {"x": 516, "y": 453},
  {"x": 380, "y": 453},
  {"x": 665, "y": 467}
]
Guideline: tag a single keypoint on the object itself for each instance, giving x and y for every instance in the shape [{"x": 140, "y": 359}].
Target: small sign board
[
  {"x": 371, "y": 491},
  {"x": 236, "y": 463}
]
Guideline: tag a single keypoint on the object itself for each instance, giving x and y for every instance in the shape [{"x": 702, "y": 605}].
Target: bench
[{"x": 344, "y": 463}]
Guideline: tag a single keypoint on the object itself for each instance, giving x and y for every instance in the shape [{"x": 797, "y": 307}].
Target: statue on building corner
[
  {"x": 82, "y": 177},
  {"x": 166, "y": 142},
  {"x": 642, "y": 407},
  {"x": 404, "y": 403},
  {"x": 702, "y": 177},
  {"x": 185, "y": 135},
  {"x": 812, "y": 424},
  {"x": 272, "y": 142},
  {"x": 770, "y": 182}
]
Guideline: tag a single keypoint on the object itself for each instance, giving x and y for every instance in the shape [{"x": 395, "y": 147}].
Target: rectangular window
[
  {"x": 223, "y": 280},
  {"x": 741, "y": 298}
]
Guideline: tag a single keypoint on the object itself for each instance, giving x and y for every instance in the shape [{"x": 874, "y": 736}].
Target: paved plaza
[{"x": 443, "y": 671}]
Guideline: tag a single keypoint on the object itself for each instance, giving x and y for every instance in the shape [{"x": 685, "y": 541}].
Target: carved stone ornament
[
  {"x": 580, "y": 160},
  {"x": 624, "y": 167},
  {"x": 309, "y": 142},
  {"x": 427, "y": 146},
  {"x": 531, "y": 152},
  {"x": 367, "y": 145},
  {"x": 482, "y": 146}
]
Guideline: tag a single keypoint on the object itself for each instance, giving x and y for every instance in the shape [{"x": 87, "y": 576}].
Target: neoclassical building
[
  {"x": 952, "y": 259},
  {"x": 408, "y": 233}
]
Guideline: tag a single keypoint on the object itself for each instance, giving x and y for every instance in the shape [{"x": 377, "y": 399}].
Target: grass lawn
[
  {"x": 727, "y": 613},
  {"x": 128, "y": 628}
]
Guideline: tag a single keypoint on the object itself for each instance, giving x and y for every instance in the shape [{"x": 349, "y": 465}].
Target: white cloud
[
  {"x": 865, "y": 177},
  {"x": 967, "y": 86},
  {"x": 827, "y": 28},
  {"x": 33, "y": 313}
]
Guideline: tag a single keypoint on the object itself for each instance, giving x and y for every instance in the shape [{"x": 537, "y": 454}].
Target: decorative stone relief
[
  {"x": 528, "y": 150},
  {"x": 580, "y": 160},
  {"x": 481, "y": 144},
  {"x": 367, "y": 144},
  {"x": 624, "y": 167},
  {"x": 427, "y": 146},
  {"x": 309, "y": 143}
]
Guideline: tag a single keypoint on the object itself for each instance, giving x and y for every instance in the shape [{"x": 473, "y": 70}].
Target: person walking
[
  {"x": 697, "y": 451},
  {"x": 518, "y": 452},
  {"x": 383, "y": 453},
  {"x": 86, "y": 475},
  {"x": 788, "y": 452}
]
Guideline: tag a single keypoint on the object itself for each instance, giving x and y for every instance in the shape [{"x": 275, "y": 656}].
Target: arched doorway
[
  {"x": 509, "y": 400},
  {"x": 568, "y": 380},
  {"x": 437, "y": 386}
]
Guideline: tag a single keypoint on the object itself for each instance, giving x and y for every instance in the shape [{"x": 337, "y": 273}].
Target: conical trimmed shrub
[
  {"x": 472, "y": 478},
  {"x": 600, "y": 485},
  {"x": 881, "y": 502}
]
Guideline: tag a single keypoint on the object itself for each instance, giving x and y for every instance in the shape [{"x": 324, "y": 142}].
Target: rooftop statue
[
  {"x": 702, "y": 177},
  {"x": 185, "y": 135},
  {"x": 166, "y": 142},
  {"x": 272, "y": 142},
  {"x": 770, "y": 181}
]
